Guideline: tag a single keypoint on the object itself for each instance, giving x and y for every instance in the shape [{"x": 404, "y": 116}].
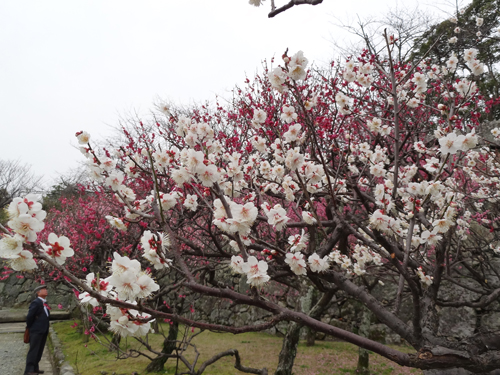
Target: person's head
[{"x": 41, "y": 291}]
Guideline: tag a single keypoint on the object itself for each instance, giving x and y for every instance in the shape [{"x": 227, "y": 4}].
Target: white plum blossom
[
  {"x": 442, "y": 225},
  {"x": 288, "y": 114},
  {"x": 24, "y": 262},
  {"x": 294, "y": 159},
  {"x": 432, "y": 238},
  {"x": 297, "y": 263},
  {"x": 83, "y": 137},
  {"x": 122, "y": 264},
  {"x": 308, "y": 217},
  {"x": 128, "y": 322},
  {"x": 167, "y": 201},
  {"x": 116, "y": 223},
  {"x": 115, "y": 180},
  {"x": 293, "y": 133},
  {"x": 101, "y": 286},
  {"x": 208, "y": 174},
  {"x": 256, "y": 271},
  {"x": 452, "y": 61},
  {"x": 297, "y": 66},
  {"x": 243, "y": 217},
  {"x": 379, "y": 221},
  {"x": 236, "y": 264},
  {"x": 146, "y": 286},
  {"x": 449, "y": 144},
  {"x": 259, "y": 117},
  {"x": 256, "y": 3},
  {"x": 191, "y": 202},
  {"x": 298, "y": 241},
  {"x": 28, "y": 205},
  {"x": 277, "y": 77},
  {"x": 317, "y": 264},
  {"x": 452, "y": 143},
  {"x": 181, "y": 176},
  {"x": 58, "y": 248},
  {"x": 27, "y": 226},
  {"x": 424, "y": 279},
  {"x": 276, "y": 216},
  {"x": 343, "y": 103},
  {"x": 11, "y": 246}
]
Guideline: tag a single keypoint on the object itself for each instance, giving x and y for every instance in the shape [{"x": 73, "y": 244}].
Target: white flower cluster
[
  {"x": 276, "y": 216},
  {"x": 154, "y": 246},
  {"x": 255, "y": 270},
  {"x": 127, "y": 282},
  {"x": 298, "y": 241},
  {"x": 116, "y": 223},
  {"x": 26, "y": 220},
  {"x": 470, "y": 57},
  {"x": 361, "y": 73},
  {"x": 128, "y": 322},
  {"x": 361, "y": 254},
  {"x": 426, "y": 280},
  {"x": 58, "y": 248},
  {"x": 465, "y": 87},
  {"x": 452, "y": 143},
  {"x": 375, "y": 125},
  {"x": 101, "y": 286},
  {"x": 26, "y": 217},
  {"x": 243, "y": 216},
  {"x": 473, "y": 64},
  {"x": 295, "y": 70},
  {"x": 496, "y": 133}
]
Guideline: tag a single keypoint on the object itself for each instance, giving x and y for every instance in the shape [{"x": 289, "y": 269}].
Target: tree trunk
[
  {"x": 169, "y": 345},
  {"x": 310, "y": 337},
  {"x": 289, "y": 350},
  {"x": 115, "y": 342},
  {"x": 364, "y": 357},
  {"x": 85, "y": 323},
  {"x": 310, "y": 299}
]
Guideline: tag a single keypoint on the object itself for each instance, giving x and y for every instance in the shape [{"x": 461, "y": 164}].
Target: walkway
[{"x": 13, "y": 351}]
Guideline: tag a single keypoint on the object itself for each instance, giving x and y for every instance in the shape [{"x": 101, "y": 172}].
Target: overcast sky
[{"x": 74, "y": 65}]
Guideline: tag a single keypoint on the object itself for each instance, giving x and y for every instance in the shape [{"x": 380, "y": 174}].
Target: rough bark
[
  {"x": 169, "y": 345},
  {"x": 289, "y": 350},
  {"x": 363, "y": 366}
]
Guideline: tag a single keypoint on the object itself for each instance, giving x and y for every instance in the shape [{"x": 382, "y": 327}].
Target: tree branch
[{"x": 291, "y": 4}]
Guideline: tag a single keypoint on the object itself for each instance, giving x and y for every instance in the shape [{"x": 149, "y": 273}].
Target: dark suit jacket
[{"x": 37, "y": 320}]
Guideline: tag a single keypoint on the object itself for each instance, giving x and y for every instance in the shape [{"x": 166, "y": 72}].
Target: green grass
[{"x": 256, "y": 350}]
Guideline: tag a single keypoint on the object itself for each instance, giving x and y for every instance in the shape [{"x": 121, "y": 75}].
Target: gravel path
[{"x": 12, "y": 353}]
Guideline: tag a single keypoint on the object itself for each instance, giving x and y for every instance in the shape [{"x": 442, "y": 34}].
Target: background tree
[
  {"x": 17, "y": 179},
  {"x": 474, "y": 26}
]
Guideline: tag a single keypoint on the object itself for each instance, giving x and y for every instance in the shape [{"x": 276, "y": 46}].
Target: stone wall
[{"x": 17, "y": 293}]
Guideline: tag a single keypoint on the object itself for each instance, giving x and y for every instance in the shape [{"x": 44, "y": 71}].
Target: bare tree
[
  {"x": 17, "y": 179},
  {"x": 408, "y": 27}
]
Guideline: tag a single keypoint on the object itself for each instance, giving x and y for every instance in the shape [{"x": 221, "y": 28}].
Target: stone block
[
  {"x": 13, "y": 290},
  {"x": 461, "y": 321},
  {"x": 23, "y": 297},
  {"x": 491, "y": 321}
]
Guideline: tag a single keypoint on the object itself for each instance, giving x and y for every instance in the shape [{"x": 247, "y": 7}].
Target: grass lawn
[{"x": 256, "y": 350}]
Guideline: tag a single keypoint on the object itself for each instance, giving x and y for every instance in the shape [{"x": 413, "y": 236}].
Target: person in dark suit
[{"x": 38, "y": 325}]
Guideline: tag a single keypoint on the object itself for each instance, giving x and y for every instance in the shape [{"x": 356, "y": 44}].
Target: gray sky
[{"x": 80, "y": 65}]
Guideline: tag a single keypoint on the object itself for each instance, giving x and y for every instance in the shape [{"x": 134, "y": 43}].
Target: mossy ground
[{"x": 256, "y": 349}]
